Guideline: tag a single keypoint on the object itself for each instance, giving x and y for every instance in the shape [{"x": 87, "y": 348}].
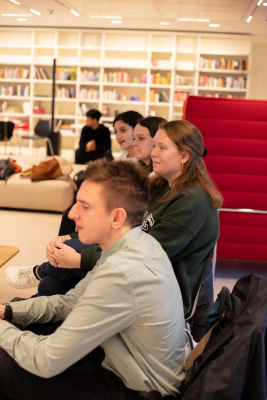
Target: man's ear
[{"x": 119, "y": 217}]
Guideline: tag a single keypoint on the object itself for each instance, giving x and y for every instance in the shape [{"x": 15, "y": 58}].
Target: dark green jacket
[{"x": 187, "y": 227}]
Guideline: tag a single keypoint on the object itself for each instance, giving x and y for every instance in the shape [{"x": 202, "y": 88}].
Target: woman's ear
[{"x": 185, "y": 157}]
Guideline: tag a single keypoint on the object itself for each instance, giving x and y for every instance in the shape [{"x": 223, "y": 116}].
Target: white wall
[{"x": 258, "y": 78}]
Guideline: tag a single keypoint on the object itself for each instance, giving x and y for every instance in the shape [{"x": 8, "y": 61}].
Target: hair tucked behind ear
[{"x": 188, "y": 139}]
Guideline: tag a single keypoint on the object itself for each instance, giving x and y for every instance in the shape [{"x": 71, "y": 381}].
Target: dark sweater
[
  {"x": 101, "y": 136},
  {"x": 187, "y": 227}
]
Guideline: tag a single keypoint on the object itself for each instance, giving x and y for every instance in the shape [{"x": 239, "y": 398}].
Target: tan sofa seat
[{"x": 46, "y": 195}]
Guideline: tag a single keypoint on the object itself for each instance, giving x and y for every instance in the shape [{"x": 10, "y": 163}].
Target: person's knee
[
  {"x": 47, "y": 287},
  {"x": 50, "y": 286}
]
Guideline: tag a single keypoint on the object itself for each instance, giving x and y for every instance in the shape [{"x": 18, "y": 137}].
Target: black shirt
[{"x": 101, "y": 136}]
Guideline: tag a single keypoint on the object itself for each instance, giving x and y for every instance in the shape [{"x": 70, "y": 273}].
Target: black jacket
[
  {"x": 233, "y": 364},
  {"x": 101, "y": 136}
]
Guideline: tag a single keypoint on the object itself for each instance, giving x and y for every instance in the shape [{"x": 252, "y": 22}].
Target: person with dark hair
[
  {"x": 51, "y": 280},
  {"x": 95, "y": 139},
  {"x": 120, "y": 333},
  {"x": 124, "y": 125},
  {"x": 144, "y": 132}
]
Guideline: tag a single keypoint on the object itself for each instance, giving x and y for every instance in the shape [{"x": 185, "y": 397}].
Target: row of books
[
  {"x": 83, "y": 108},
  {"x": 3, "y": 106},
  {"x": 114, "y": 95},
  {"x": 180, "y": 96},
  {"x": 223, "y": 96},
  {"x": 8, "y": 109},
  {"x": 158, "y": 96},
  {"x": 227, "y": 82},
  {"x": 66, "y": 73},
  {"x": 64, "y": 93},
  {"x": 17, "y": 90},
  {"x": 222, "y": 63},
  {"x": 181, "y": 80},
  {"x": 40, "y": 73},
  {"x": 89, "y": 94},
  {"x": 14, "y": 73},
  {"x": 158, "y": 79},
  {"x": 90, "y": 76},
  {"x": 66, "y": 129},
  {"x": 123, "y": 77}
]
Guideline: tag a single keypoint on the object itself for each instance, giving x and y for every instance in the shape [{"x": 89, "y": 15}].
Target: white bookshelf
[{"x": 176, "y": 57}]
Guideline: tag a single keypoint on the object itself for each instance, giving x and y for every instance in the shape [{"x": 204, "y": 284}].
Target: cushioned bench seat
[{"x": 46, "y": 195}]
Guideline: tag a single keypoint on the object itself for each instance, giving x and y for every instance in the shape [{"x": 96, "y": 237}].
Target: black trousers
[
  {"x": 204, "y": 304},
  {"x": 85, "y": 380}
]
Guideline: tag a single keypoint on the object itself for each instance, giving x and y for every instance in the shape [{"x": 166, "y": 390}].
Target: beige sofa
[{"x": 46, "y": 195}]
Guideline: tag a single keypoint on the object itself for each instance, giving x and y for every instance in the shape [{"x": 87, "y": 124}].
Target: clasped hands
[
  {"x": 91, "y": 146},
  {"x": 61, "y": 255}
]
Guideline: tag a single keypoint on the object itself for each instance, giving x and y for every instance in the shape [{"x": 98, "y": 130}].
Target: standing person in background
[
  {"x": 124, "y": 125},
  {"x": 95, "y": 140}
]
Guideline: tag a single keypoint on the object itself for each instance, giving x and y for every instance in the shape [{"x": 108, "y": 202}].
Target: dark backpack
[{"x": 6, "y": 169}]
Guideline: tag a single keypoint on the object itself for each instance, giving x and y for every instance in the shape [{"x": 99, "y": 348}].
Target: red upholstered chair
[{"x": 235, "y": 134}]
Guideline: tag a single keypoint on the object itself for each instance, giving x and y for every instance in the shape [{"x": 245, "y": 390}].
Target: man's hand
[
  {"x": 64, "y": 256},
  {"x": 91, "y": 146},
  {"x": 2, "y": 311},
  {"x": 50, "y": 247}
]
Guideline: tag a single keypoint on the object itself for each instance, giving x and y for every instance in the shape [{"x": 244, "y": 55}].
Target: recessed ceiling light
[
  {"x": 105, "y": 16},
  {"x": 264, "y": 4},
  {"x": 193, "y": 19},
  {"x": 16, "y": 15},
  {"x": 116, "y": 21},
  {"x": 259, "y": 3},
  {"x": 185, "y": 19},
  {"x": 22, "y": 19},
  {"x": 35, "y": 12},
  {"x": 16, "y": 2},
  {"x": 75, "y": 13},
  {"x": 249, "y": 18},
  {"x": 164, "y": 23},
  {"x": 214, "y": 25}
]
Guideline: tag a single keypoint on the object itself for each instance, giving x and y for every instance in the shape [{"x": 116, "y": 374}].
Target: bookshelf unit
[{"x": 150, "y": 72}]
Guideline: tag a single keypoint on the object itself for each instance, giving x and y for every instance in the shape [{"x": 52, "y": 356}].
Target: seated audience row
[
  {"x": 144, "y": 245},
  {"x": 181, "y": 215}
]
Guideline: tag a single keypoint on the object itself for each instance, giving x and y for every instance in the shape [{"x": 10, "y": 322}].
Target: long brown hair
[{"x": 188, "y": 139}]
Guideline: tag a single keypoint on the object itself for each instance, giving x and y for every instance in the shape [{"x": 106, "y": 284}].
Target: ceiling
[{"x": 141, "y": 14}]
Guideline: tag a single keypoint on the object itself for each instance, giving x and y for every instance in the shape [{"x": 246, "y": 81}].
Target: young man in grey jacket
[{"x": 122, "y": 331}]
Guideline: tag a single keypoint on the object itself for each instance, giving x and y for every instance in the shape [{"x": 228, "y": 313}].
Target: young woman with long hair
[{"x": 182, "y": 213}]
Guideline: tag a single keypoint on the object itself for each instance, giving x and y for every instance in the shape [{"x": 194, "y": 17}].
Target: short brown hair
[{"x": 125, "y": 184}]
